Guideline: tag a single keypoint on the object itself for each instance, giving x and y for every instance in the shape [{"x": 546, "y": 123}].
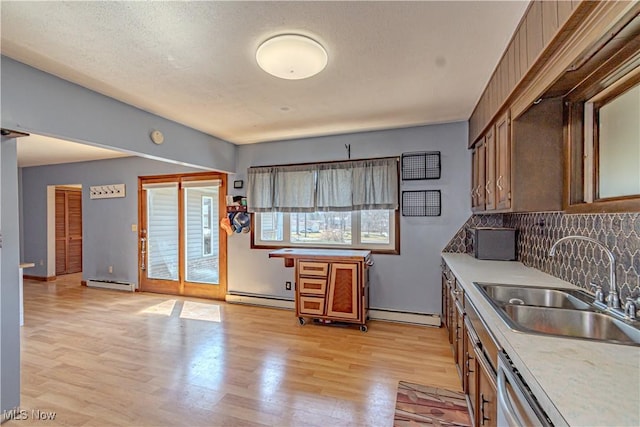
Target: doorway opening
[{"x": 181, "y": 250}]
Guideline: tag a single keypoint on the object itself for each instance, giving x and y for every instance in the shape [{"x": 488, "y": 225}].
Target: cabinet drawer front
[
  {"x": 312, "y": 286},
  {"x": 308, "y": 268},
  {"x": 311, "y": 305}
]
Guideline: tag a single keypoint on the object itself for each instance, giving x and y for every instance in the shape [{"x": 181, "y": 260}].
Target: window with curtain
[{"x": 349, "y": 204}]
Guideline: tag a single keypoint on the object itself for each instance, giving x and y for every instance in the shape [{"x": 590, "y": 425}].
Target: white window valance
[{"x": 336, "y": 186}]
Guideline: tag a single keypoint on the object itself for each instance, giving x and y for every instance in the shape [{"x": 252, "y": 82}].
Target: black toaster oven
[{"x": 494, "y": 243}]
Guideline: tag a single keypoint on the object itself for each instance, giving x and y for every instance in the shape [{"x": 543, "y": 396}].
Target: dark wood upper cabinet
[
  {"x": 522, "y": 54},
  {"x": 503, "y": 163},
  {"x": 490, "y": 170},
  {"x": 535, "y": 39},
  {"x": 562, "y": 55},
  {"x": 564, "y": 11},
  {"x": 549, "y": 20},
  {"x": 516, "y": 57}
]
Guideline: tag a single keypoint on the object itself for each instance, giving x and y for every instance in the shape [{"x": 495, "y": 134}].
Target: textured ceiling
[{"x": 391, "y": 64}]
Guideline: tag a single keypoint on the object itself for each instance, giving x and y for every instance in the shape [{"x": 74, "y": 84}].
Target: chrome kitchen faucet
[{"x": 613, "y": 299}]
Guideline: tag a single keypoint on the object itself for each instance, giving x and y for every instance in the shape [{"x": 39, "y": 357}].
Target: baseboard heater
[
  {"x": 111, "y": 284},
  {"x": 260, "y": 300},
  {"x": 425, "y": 319}
]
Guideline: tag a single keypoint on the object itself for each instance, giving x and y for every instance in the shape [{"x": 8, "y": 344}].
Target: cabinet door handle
[
  {"x": 498, "y": 183},
  {"x": 486, "y": 187},
  {"x": 483, "y": 400},
  {"x": 143, "y": 253},
  {"x": 469, "y": 370}
]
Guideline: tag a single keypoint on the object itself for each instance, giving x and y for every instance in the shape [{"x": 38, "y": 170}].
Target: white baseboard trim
[
  {"x": 404, "y": 317},
  {"x": 261, "y": 301},
  {"x": 110, "y": 284},
  {"x": 374, "y": 314}
]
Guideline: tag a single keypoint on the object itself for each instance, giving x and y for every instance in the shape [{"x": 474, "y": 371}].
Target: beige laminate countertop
[
  {"x": 577, "y": 382},
  {"x": 319, "y": 253}
]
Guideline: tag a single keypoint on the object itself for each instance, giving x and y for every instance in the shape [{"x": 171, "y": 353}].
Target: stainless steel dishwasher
[{"x": 517, "y": 406}]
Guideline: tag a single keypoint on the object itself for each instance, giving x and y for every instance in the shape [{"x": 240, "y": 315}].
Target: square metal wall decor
[
  {"x": 421, "y": 203},
  {"x": 420, "y": 165}
]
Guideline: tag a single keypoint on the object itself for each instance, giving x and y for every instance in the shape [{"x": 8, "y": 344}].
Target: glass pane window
[
  {"x": 332, "y": 228},
  {"x": 271, "y": 226},
  {"x": 374, "y": 227},
  {"x": 201, "y": 234},
  {"x": 162, "y": 232},
  {"x": 619, "y": 145}
]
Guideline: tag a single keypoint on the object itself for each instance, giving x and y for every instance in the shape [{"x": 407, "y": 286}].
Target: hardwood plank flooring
[{"x": 98, "y": 357}]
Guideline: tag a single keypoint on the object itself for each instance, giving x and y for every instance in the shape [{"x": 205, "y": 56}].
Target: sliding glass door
[{"x": 181, "y": 249}]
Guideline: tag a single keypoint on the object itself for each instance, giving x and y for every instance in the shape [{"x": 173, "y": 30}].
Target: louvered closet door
[{"x": 68, "y": 231}]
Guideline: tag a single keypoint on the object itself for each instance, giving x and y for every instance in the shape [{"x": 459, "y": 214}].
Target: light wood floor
[{"x": 100, "y": 357}]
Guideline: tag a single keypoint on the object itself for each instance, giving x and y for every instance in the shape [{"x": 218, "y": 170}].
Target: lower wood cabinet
[
  {"x": 471, "y": 368},
  {"x": 486, "y": 409},
  {"x": 459, "y": 344},
  {"x": 332, "y": 291},
  {"x": 477, "y": 376},
  {"x": 331, "y": 285}
]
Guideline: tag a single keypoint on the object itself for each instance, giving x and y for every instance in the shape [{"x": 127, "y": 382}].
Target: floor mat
[{"x": 419, "y": 405}]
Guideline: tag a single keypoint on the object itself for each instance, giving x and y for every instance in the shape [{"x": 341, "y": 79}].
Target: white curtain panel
[
  {"x": 295, "y": 188},
  {"x": 334, "y": 186},
  {"x": 375, "y": 184},
  {"x": 260, "y": 189}
]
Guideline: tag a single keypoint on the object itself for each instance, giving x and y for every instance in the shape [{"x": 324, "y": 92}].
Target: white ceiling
[
  {"x": 37, "y": 150},
  {"x": 391, "y": 64}
]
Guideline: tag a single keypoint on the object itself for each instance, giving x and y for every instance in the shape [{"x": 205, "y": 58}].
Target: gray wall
[
  {"x": 9, "y": 296},
  {"x": 107, "y": 236},
  {"x": 409, "y": 282},
  {"x": 37, "y": 102}
]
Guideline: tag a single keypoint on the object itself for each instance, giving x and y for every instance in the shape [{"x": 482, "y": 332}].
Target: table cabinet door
[{"x": 343, "y": 291}]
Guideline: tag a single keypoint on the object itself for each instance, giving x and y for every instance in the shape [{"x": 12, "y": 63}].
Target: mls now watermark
[{"x": 22, "y": 414}]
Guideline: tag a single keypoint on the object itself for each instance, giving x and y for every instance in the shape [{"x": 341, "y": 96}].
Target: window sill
[
  {"x": 373, "y": 251},
  {"x": 609, "y": 206}
]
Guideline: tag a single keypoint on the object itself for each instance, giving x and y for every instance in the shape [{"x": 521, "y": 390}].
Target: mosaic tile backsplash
[{"x": 577, "y": 262}]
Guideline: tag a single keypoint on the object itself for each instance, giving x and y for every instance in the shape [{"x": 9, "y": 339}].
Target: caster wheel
[
  {"x": 363, "y": 328},
  {"x": 302, "y": 321}
]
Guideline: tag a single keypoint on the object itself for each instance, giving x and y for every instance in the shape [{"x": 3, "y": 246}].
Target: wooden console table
[{"x": 332, "y": 285}]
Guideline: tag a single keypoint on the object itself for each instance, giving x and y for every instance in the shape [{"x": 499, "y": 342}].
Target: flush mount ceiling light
[{"x": 291, "y": 57}]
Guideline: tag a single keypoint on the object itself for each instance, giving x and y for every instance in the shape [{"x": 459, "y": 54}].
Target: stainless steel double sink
[{"x": 558, "y": 312}]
